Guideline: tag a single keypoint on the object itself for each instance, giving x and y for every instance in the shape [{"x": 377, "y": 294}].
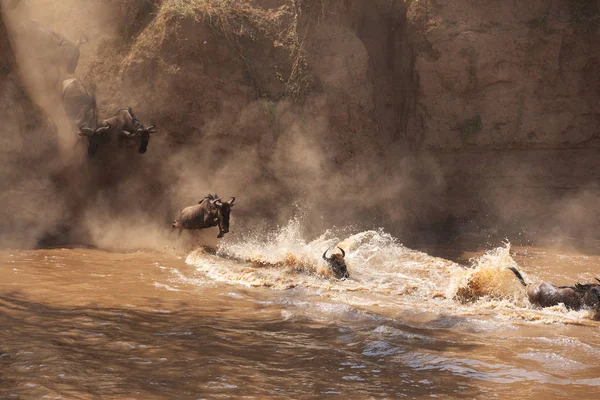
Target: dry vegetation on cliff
[{"x": 248, "y": 28}]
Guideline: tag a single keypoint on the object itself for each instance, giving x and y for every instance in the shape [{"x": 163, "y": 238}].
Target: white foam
[{"x": 383, "y": 274}]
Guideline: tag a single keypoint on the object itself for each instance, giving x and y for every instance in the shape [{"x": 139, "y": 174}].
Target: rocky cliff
[
  {"x": 518, "y": 74},
  {"x": 508, "y": 100}
]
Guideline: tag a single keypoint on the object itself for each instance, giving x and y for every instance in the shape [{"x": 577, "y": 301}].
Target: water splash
[
  {"x": 490, "y": 278},
  {"x": 377, "y": 263},
  {"x": 384, "y": 274}
]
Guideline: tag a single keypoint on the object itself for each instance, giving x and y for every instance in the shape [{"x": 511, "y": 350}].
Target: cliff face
[
  {"x": 508, "y": 99},
  {"x": 287, "y": 99},
  {"x": 505, "y": 75},
  {"x": 432, "y": 114}
]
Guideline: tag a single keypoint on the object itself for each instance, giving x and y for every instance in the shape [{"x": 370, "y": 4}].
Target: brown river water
[{"x": 261, "y": 318}]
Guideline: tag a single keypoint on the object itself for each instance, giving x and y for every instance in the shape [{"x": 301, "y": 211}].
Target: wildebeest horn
[
  {"x": 128, "y": 134},
  {"x": 343, "y": 252},
  {"x": 82, "y": 40},
  {"x": 100, "y": 131},
  {"x": 231, "y": 201},
  {"x": 598, "y": 279},
  {"x": 325, "y": 255}
]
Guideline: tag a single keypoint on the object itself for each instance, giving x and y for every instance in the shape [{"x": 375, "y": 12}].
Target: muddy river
[{"x": 260, "y": 318}]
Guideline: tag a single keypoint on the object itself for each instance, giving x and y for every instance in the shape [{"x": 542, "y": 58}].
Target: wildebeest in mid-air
[
  {"x": 52, "y": 51},
  {"x": 337, "y": 264},
  {"x": 574, "y": 297},
  {"x": 121, "y": 128},
  {"x": 210, "y": 211},
  {"x": 79, "y": 104}
]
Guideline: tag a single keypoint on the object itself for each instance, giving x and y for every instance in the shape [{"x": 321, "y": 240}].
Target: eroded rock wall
[
  {"x": 508, "y": 101},
  {"x": 505, "y": 74}
]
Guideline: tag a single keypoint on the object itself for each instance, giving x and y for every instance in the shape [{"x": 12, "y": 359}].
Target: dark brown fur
[
  {"x": 57, "y": 51},
  {"x": 79, "y": 104},
  {"x": 121, "y": 128},
  {"x": 209, "y": 212},
  {"x": 337, "y": 264},
  {"x": 546, "y": 294}
]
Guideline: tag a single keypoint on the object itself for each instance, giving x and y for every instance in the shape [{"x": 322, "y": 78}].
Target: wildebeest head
[
  {"x": 144, "y": 135},
  {"x": 223, "y": 212},
  {"x": 590, "y": 292},
  {"x": 72, "y": 52},
  {"x": 337, "y": 264}
]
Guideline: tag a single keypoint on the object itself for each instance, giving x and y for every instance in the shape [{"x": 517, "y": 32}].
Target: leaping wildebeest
[
  {"x": 576, "y": 297},
  {"x": 79, "y": 104},
  {"x": 52, "y": 49},
  {"x": 210, "y": 211},
  {"x": 121, "y": 128},
  {"x": 337, "y": 264}
]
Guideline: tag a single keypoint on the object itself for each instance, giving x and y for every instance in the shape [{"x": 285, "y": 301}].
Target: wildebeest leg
[{"x": 180, "y": 232}]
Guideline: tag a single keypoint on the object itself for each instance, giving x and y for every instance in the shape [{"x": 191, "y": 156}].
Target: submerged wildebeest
[
  {"x": 121, "y": 128},
  {"x": 52, "y": 49},
  {"x": 337, "y": 264},
  {"x": 79, "y": 104},
  {"x": 210, "y": 211},
  {"x": 574, "y": 297}
]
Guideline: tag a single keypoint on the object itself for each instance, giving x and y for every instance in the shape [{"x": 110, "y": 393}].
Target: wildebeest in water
[
  {"x": 121, "y": 128},
  {"x": 575, "y": 297},
  {"x": 210, "y": 211},
  {"x": 337, "y": 264}
]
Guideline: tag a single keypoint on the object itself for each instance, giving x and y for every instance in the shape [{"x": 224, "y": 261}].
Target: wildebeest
[
  {"x": 52, "y": 49},
  {"x": 122, "y": 127},
  {"x": 574, "y": 297},
  {"x": 337, "y": 264},
  {"x": 79, "y": 104},
  {"x": 210, "y": 211}
]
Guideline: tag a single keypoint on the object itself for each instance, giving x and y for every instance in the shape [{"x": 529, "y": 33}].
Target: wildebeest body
[
  {"x": 209, "y": 212},
  {"x": 121, "y": 128},
  {"x": 196, "y": 217},
  {"x": 575, "y": 297},
  {"x": 51, "y": 48},
  {"x": 79, "y": 104},
  {"x": 546, "y": 294}
]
